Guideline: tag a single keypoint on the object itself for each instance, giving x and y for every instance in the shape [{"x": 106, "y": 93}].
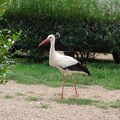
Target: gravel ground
[{"x": 15, "y": 103}]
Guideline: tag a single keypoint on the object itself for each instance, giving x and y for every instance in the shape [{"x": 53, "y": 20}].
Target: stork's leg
[
  {"x": 75, "y": 88},
  {"x": 63, "y": 84}
]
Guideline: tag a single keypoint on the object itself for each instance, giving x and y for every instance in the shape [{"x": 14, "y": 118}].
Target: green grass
[
  {"x": 99, "y": 104},
  {"x": 8, "y": 97},
  {"x": 105, "y": 105},
  {"x": 75, "y": 101},
  {"x": 115, "y": 104},
  {"x": 106, "y": 74},
  {"x": 45, "y": 106},
  {"x": 32, "y": 98},
  {"x": 35, "y": 74},
  {"x": 20, "y": 94}
]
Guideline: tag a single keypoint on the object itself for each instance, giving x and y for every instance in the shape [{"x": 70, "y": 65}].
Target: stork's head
[{"x": 50, "y": 38}]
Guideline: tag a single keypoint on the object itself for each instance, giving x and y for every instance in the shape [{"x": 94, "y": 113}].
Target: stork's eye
[{"x": 50, "y": 37}]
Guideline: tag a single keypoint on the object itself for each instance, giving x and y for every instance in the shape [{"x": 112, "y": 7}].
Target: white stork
[{"x": 66, "y": 64}]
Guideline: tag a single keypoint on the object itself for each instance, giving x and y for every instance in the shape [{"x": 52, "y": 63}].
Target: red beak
[{"x": 43, "y": 42}]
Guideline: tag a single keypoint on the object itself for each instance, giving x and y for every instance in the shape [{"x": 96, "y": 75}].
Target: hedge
[{"x": 84, "y": 25}]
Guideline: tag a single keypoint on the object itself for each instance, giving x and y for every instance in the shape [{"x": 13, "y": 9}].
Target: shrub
[
  {"x": 85, "y": 25},
  {"x": 6, "y": 40}
]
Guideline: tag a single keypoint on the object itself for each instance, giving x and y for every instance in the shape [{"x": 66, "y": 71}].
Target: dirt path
[{"x": 18, "y": 102}]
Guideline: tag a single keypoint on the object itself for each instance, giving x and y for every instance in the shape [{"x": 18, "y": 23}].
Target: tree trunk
[{"x": 116, "y": 56}]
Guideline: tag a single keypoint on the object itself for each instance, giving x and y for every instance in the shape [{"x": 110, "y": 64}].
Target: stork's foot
[{"x": 77, "y": 96}]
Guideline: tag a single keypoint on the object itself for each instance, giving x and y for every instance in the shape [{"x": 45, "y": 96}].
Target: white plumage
[{"x": 62, "y": 60}]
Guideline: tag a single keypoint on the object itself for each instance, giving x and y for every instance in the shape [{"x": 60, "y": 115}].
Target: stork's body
[{"x": 66, "y": 64}]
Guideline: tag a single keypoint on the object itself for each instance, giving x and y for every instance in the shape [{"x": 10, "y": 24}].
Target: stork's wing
[{"x": 65, "y": 61}]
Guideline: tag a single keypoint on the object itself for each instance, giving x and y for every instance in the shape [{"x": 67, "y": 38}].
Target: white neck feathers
[{"x": 52, "y": 46}]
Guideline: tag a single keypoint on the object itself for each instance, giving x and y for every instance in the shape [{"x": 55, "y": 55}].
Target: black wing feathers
[{"x": 78, "y": 67}]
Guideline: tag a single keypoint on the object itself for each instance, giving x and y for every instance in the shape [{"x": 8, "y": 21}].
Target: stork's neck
[
  {"x": 52, "y": 46},
  {"x": 52, "y": 53}
]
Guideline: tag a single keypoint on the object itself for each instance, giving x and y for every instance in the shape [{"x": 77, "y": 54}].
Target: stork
[{"x": 66, "y": 64}]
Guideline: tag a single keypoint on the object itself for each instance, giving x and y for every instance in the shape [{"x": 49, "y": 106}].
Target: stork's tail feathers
[{"x": 85, "y": 69}]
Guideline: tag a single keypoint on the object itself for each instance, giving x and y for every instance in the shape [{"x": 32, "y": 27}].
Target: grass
[
  {"x": 106, "y": 74},
  {"x": 35, "y": 74},
  {"x": 75, "y": 101},
  {"x": 32, "y": 98},
  {"x": 45, "y": 106},
  {"x": 20, "y": 94},
  {"x": 99, "y": 104},
  {"x": 8, "y": 97},
  {"x": 105, "y": 105},
  {"x": 115, "y": 104}
]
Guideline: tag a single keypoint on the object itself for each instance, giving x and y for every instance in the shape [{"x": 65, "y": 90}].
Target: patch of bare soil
[
  {"x": 36, "y": 102},
  {"x": 103, "y": 56}
]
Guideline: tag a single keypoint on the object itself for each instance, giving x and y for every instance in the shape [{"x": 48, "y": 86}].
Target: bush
[
  {"x": 85, "y": 25},
  {"x": 6, "y": 40}
]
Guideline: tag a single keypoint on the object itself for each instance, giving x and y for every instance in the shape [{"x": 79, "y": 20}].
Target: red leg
[
  {"x": 75, "y": 88},
  {"x": 63, "y": 84}
]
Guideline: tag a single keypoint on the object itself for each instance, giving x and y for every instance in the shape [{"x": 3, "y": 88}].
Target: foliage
[
  {"x": 6, "y": 40},
  {"x": 85, "y": 25},
  {"x": 68, "y": 9}
]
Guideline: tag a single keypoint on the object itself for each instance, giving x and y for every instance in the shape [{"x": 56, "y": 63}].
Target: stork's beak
[{"x": 43, "y": 42}]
